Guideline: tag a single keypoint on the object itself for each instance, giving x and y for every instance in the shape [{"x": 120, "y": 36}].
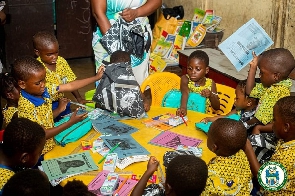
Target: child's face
[
  {"x": 266, "y": 76},
  {"x": 34, "y": 156},
  {"x": 278, "y": 124},
  {"x": 35, "y": 85},
  {"x": 49, "y": 53},
  {"x": 241, "y": 101},
  {"x": 197, "y": 69}
]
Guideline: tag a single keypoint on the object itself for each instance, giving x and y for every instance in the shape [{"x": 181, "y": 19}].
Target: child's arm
[
  {"x": 75, "y": 85},
  {"x": 62, "y": 104},
  {"x": 151, "y": 168},
  {"x": 184, "y": 96},
  {"x": 79, "y": 98},
  {"x": 212, "y": 95},
  {"x": 254, "y": 164},
  {"x": 56, "y": 130},
  {"x": 212, "y": 119},
  {"x": 251, "y": 74},
  {"x": 262, "y": 129}
]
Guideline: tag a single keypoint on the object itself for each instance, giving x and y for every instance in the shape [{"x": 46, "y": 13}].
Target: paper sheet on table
[
  {"x": 239, "y": 46},
  {"x": 67, "y": 165}
]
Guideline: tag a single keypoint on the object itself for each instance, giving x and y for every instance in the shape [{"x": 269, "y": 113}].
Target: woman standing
[{"x": 106, "y": 12}]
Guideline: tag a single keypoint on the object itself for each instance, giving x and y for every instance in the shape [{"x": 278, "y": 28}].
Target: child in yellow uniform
[
  {"x": 284, "y": 128},
  {"x": 195, "y": 81},
  {"x": 58, "y": 71},
  {"x": 229, "y": 172},
  {"x": 23, "y": 142},
  {"x": 35, "y": 102}
]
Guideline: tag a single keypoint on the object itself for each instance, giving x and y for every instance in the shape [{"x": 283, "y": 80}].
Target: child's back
[{"x": 229, "y": 172}]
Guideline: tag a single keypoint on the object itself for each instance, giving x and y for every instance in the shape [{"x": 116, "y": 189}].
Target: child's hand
[
  {"x": 208, "y": 119},
  {"x": 83, "y": 101},
  {"x": 253, "y": 63},
  {"x": 206, "y": 93},
  {"x": 146, "y": 105},
  {"x": 100, "y": 72},
  {"x": 181, "y": 112},
  {"x": 62, "y": 103},
  {"x": 152, "y": 165},
  {"x": 77, "y": 118}
]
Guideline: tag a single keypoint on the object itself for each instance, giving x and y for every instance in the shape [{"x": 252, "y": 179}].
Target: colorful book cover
[
  {"x": 198, "y": 15},
  {"x": 172, "y": 140},
  {"x": 208, "y": 17},
  {"x": 185, "y": 29},
  {"x": 157, "y": 64}
]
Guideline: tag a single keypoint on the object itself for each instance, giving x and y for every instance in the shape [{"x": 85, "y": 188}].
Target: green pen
[{"x": 112, "y": 150}]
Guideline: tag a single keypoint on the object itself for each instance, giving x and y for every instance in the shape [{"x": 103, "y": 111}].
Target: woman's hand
[{"x": 129, "y": 14}]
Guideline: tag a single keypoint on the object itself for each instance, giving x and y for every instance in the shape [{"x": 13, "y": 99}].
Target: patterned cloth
[
  {"x": 39, "y": 110},
  {"x": 114, "y": 7},
  {"x": 153, "y": 190},
  {"x": 285, "y": 154},
  {"x": 229, "y": 176},
  {"x": 198, "y": 89},
  {"x": 5, "y": 174},
  {"x": 8, "y": 113},
  {"x": 63, "y": 74},
  {"x": 268, "y": 98}
]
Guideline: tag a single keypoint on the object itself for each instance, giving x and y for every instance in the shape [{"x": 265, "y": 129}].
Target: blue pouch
[
  {"x": 195, "y": 102},
  {"x": 73, "y": 133},
  {"x": 205, "y": 126}
]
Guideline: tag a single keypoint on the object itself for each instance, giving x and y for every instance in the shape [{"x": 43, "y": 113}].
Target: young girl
[
  {"x": 10, "y": 92},
  {"x": 195, "y": 81},
  {"x": 35, "y": 102},
  {"x": 58, "y": 70}
]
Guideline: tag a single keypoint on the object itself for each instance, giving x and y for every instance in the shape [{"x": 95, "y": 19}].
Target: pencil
[
  {"x": 110, "y": 151},
  {"x": 121, "y": 185},
  {"x": 183, "y": 119}
]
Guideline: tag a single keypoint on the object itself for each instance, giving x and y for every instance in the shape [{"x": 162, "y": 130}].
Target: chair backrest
[
  {"x": 227, "y": 98},
  {"x": 160, "y": 83}
]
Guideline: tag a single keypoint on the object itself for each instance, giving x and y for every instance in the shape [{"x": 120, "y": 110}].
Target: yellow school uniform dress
[
  {"x": 229, "y": 176},
  {"x": 198, "y": 89},
  {"x": 285, "y": 154},
  {"x": 8, "y": 113},
  {"x": 39, "y": 110},
  {"x": 268, "y": 98},
  {"x": 5, "y": 174},
  {"x": 63, "y": 74}
]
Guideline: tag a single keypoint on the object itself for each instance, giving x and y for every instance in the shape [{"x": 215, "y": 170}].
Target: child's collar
[{"x": 37, "y": 101}]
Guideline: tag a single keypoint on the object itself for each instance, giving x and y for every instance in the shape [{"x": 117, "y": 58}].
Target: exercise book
[{"x": 172, "y": 140}]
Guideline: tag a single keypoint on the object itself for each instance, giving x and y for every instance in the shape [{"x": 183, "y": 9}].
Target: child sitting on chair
[
  {"x": 284, "y": 128},
  {"x": 185, "y": 175},
  {"x": 245, "y": 106},
  {"x": 58, "y": 70},
  {"x": 23, "y": 142},
  {"x": 229, "y": 172},
  {"x": 195, "y": 81},
  {"x": 35, "y": 102}
]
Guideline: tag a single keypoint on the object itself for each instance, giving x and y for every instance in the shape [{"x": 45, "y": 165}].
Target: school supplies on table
[
  {"x": 97, "y": 182},
  {"x": 128, "y": 146},
  {"x": 123, "y": 163},
  {"x": 110, "y": 151},
  {"x": 67, "y": 165},
  {"x": 86, "y": 145},
  {"x": 109, "y": 184},
  {"x": 165, "y": 122},
  {"x": 110, "y": 162},
  {"x": 121, "y": 185},
  {"x": 172, "y": 140}
]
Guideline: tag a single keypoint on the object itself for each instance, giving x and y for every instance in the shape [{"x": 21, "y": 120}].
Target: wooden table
[
  {"x": 221, "y": 69},
  {"x": 143, "y": 136}
]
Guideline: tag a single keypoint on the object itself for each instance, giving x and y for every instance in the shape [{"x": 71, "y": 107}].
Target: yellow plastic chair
[
  {"x": 160, "y": 83},
  {"x": 227, "y": 98}
]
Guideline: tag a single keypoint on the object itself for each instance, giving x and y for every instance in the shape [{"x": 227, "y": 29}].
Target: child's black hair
[
  {"x": 30, "y": 182},
  {"x": 24, "y": 66},
  {"x": 43, "y": 38},
  {"x": 76, "y": 188},
  {"x": 280, "y": 60},
  {"x": 201, "y": 55},
  {"x": 230, "y": 135},
  {"x": 22, "y": 135},
  {"x": 187, "y": 175},
  {"x": 286, "y": 108},
  {"x": 242, "y": 87},
  {"x": 120, "y": 56},
  {"x": 7, "y": 84}
]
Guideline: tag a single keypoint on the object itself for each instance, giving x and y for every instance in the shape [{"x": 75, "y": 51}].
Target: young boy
[
  {"x": 31, "y": 182},
  {"x": 35, "y": 101},
  {"x": 229, "y": 172},
  {"x": 58, "y": 71},
  {"x": 23, "y": 142},
  {"x": 186, "y": 175},
  {"x": 284, "y": 128}
]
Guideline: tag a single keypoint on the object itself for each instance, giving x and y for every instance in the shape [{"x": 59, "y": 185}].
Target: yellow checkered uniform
[
  {"x": 8, "y": 113},
  {"x": 5, "y": 175}
]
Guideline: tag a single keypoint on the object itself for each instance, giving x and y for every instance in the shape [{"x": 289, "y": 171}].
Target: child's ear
[
  {"x": 214, "y": 148},
  {"x": 21, "y": 84},
  {"x": 168, "y": 189},
  {"x": 24, "y": 158},
  {"x": 207, "y": 70},
  {"x": 37, "y": 53},
  {"x": 276, "y": 77}
]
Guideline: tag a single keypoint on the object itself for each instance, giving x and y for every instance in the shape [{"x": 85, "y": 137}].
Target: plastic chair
[
  {"x": 88, "y": 96},
  {"x": 160, "y": 83},
  {"x": 227, "y": 98}
]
